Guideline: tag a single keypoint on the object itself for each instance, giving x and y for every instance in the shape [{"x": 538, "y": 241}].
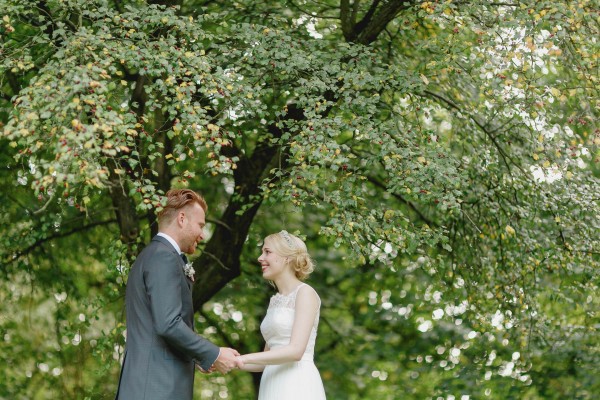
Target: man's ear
[{"x": 180, "y": 218}]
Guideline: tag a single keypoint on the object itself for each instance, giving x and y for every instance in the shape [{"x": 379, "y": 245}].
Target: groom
[{"x": 161, "y": 347}]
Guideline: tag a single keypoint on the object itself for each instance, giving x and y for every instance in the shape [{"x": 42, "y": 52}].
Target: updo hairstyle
[{"x": 294, "y": 249}]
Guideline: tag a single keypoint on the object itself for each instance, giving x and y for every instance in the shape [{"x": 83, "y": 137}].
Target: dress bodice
[{"x": 276, "y": 328}]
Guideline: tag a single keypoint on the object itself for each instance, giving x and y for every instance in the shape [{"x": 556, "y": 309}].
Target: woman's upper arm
[{"x": 307, "y": 306}]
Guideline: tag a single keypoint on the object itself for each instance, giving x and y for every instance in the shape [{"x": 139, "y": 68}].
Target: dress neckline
[{"x": 292, "y": 292}]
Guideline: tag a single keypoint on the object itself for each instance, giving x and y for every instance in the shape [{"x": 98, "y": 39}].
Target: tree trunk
[
  {"x": 124, "y": 210},
  {"x": 220, "y": 260}
]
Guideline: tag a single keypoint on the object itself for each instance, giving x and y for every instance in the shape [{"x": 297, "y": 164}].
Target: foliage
[{"x": 441, "y": 158}]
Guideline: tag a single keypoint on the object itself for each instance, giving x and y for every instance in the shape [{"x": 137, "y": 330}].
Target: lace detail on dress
[{"x": 279, "y": 300}]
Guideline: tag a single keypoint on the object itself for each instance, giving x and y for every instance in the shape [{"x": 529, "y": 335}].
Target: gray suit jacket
[{"x": 161, "y": 346}]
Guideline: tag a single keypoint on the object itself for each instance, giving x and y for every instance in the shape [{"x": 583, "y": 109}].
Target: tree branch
[
  {"x": 503, "y": 154},
  {"x": 380, "y": 185},
  {"x": 375, "y": 20},
  {"x": 38, "y": 243}
]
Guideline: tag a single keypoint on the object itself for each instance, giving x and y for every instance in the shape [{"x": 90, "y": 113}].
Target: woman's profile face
[{"x": 272, "y": 264}]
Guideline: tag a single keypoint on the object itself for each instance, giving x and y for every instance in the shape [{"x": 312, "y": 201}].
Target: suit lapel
[{"x": 181, "y": 263}]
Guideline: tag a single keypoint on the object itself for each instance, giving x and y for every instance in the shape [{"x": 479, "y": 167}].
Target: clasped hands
[{"x": 228, "y": 359}]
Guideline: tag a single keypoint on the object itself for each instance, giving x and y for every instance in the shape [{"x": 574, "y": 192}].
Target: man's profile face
[{"x": 192, "y": 227}]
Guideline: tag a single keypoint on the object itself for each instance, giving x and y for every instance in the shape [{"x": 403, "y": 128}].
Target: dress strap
[{"x": 295, "y": 292}]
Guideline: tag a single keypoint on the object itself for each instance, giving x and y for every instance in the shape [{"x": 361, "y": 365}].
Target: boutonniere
[{"x": 189, "y": 271}]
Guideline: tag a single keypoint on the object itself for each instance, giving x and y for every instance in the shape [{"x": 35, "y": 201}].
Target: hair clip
[{"x": 288, "y": 238}]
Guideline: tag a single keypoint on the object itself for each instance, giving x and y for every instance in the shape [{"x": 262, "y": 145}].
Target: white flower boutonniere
[{"x": 189, "y": 271}]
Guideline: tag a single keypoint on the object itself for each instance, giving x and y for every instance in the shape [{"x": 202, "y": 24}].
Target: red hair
[{"x": 176, "y": 200}]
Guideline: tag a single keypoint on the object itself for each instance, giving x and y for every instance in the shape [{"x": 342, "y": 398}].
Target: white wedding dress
[{"x": 295, "y": 380}]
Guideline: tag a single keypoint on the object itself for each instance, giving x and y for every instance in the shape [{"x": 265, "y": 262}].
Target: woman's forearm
[
  {"x": 253, "y": 368},
  {"x": 280, "y": 355}
]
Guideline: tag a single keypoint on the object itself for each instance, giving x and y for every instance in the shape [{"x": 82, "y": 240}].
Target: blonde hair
[{"x": 294, "y": 249}]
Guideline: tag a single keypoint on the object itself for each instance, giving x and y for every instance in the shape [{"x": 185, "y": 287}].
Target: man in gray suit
[{"x": 162, "y": 348}]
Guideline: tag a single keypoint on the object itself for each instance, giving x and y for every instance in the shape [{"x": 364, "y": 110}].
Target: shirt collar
[{"x": 171, "y": 240}]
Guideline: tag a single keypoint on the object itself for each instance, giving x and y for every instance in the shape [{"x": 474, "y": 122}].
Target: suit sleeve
[{"x": 163, "y": 285}]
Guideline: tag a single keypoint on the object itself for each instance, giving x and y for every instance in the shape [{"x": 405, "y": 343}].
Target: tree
[{"x": 450, "y": 144}]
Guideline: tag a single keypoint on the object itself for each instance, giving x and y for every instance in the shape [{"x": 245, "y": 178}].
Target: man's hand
[
  {"x": 199, "y": 368},
  {"x": 227, "y": 360}
]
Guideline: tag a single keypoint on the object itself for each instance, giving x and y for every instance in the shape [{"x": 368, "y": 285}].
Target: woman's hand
[{"x": 239, "y": 360}]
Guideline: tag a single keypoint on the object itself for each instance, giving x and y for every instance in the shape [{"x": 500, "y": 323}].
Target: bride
[{"x": 290, "y": 326}]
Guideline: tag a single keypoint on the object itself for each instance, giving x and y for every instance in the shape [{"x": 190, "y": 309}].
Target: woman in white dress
[{"x": 290, "y": 326}]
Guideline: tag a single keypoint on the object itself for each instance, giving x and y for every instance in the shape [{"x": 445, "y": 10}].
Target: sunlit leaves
[
  {"x": 86, "y": 106},
  {"x": 450, "y": 165}
]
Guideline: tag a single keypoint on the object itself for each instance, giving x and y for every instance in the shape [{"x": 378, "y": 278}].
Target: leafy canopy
[{"x": 445, "y": 152}]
